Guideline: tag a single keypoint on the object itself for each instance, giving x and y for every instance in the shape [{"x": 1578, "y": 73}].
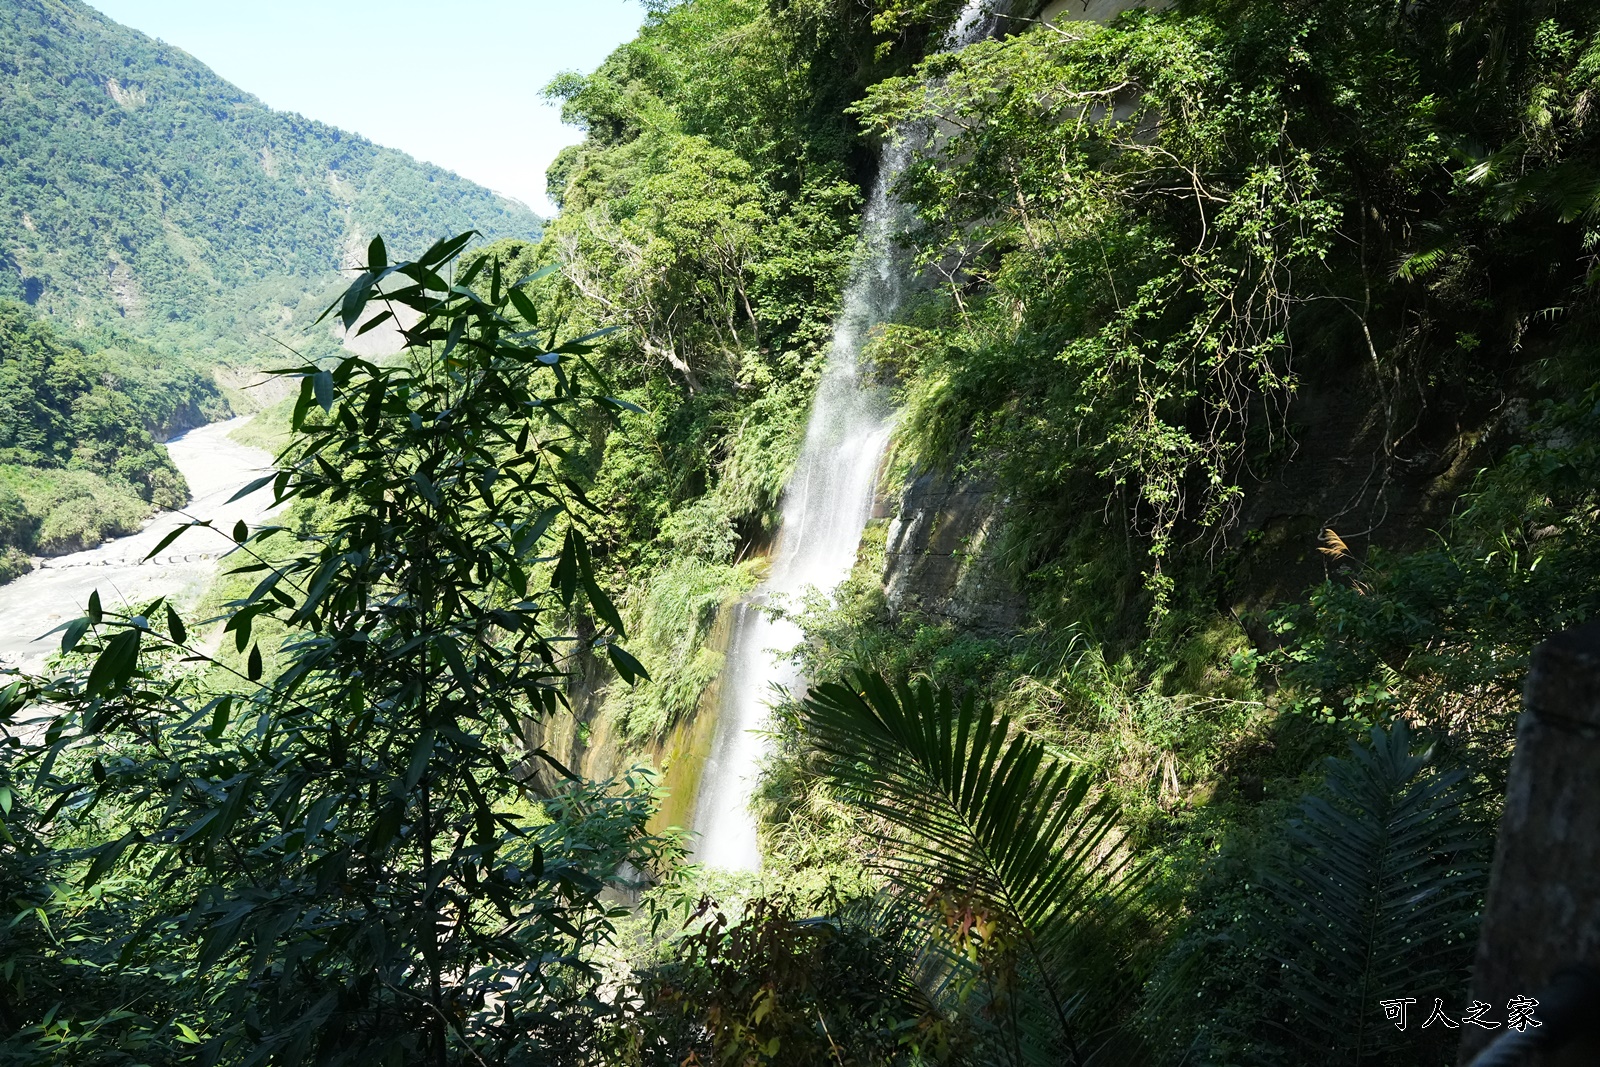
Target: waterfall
[{"x": 825, "y": 509}]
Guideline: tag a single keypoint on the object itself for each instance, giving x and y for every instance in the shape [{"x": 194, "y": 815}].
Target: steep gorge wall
[
  {"x": 587, "y": 742},
  {"x": 939, "y": 555},
  {"x": 1058, "y": 11},
  {"x": 1340, "y": 470},
  {"x": 1351, "y": 457},
  {"x": 939, "y": 563}
]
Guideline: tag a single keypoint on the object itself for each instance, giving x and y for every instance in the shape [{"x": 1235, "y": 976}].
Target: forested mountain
[
  {"x": 163, "y": 225},
  {"x": 78, "y": 425},
  {"x": 140, "y": 191}
]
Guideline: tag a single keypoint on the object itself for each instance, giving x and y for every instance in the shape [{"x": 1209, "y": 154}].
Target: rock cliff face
[
  {"x": 938, "y": 557},
  {"x": 939, "y": 560},
  {"x": 586, "y": 741},
  {"x": 1057, "y": 12},
  {"x": 1332, "y": 493},
  {"x": 1347, "y": 476}
]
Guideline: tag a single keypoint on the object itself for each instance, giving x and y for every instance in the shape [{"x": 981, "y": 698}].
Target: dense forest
[
  {"x": 1244, "y": 384},
  {"x": 78, "y": 428}
]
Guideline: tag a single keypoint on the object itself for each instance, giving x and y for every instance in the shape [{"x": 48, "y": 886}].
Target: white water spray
[{"x": 825, "y": 509}]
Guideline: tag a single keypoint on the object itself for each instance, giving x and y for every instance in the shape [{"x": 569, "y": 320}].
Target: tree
[{"x": 343, "y": 853}]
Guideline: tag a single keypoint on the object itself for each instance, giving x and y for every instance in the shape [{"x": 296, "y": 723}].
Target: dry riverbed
[{"x": 216, "y": 468}]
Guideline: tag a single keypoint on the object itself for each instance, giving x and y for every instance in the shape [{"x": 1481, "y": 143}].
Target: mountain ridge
[
  {"x": 147, "y": 195},
  {"x": 163, "y": 234}
]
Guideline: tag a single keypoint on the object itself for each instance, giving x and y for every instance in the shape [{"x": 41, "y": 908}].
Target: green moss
[{"x": 674, "y": 616}]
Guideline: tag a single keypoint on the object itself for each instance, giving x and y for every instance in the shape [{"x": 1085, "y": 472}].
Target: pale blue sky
[{"x": 326, "y": 59}]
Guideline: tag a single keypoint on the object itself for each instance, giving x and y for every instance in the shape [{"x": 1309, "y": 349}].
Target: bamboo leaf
[
  {"x": 72, "y": 633},
  {"x": 631, "y": 670},
  {"x": 445, "y": 249},
  {"x": 106, "y": 857},
  {"x": 255, "y": 484},
  {"x": 374, "y": 322},
  {"x": 116, "y": 663},
  {"x": 171, "y": 536},
  {"x": 322, "y": 388}
]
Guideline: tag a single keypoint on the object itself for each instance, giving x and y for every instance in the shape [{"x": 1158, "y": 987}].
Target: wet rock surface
[{"x": 938, "y": 556}]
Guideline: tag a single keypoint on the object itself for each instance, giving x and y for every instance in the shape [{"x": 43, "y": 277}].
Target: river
[{"x": 216, "y": 468}]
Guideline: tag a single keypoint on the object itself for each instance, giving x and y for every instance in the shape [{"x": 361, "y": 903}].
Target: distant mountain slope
[{"x": 141, "y": 193}]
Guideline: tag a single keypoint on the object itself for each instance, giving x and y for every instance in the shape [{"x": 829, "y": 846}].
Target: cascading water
[{"x": 825, "y": 509}]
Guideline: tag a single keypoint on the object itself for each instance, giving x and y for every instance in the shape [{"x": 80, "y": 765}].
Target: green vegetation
[
  {"x": 1289, "y": 241},
  {"x": 1004, "y": 845},
  {"x": 79, "y": 460},
  {"x": 143, "y": 194},
  {"x": 269, "y": 430},
  {"x": 710, "y": 213},
  {"x": 171, "y": 227},
  {"x": 1376, "y": 886},
  {"x": 1261, "y": 325},
  {"x": 673, "y": 642},
  {"x": 342, "y": 862}
]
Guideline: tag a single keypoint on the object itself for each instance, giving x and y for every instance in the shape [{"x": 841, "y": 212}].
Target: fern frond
[
  {"x": 1379, "y": 896},
  {"x": 1424, "y": 262}
]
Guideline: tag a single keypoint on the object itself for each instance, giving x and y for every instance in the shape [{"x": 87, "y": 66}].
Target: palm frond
[
  {"x": 1425, "y": 262},
  {"x": 966, "y": 807},
  {"x": 1569, "y": 189},
  {"x": 934, "y": 974}
]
